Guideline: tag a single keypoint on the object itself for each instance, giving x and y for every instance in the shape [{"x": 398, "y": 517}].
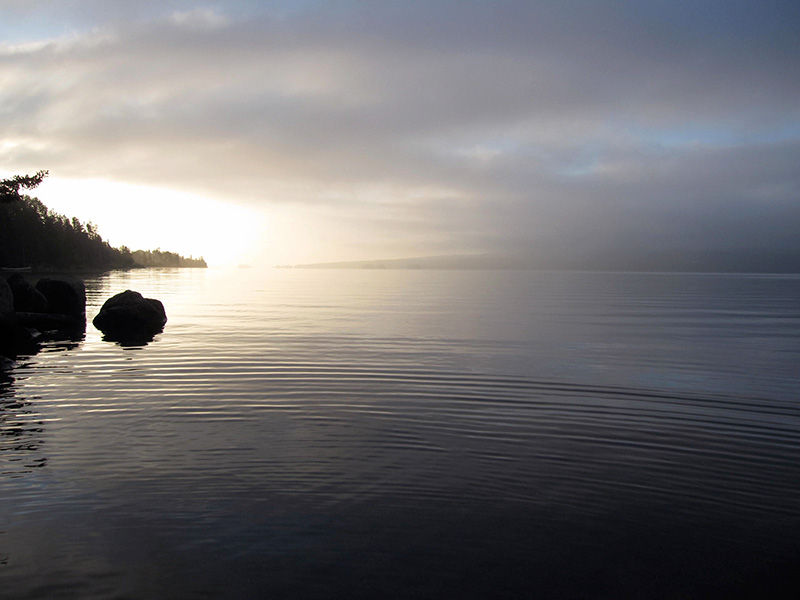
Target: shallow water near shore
[{"x": 412, "y": 434}]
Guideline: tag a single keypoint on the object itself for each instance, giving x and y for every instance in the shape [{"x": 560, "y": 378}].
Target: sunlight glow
[{"x": 147, "y": 218}]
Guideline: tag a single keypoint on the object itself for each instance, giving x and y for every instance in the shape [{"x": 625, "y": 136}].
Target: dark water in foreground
[{"x": 349, "y": 434}]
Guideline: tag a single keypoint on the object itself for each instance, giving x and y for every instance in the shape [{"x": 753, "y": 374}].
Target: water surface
[{"x": 412, "y": 434}]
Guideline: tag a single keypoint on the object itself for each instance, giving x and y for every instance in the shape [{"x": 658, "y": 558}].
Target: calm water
[{"x": 419, "y": 434}]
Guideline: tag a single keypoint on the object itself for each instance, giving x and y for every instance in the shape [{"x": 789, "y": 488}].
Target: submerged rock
[{"x": 129, "y": 317}]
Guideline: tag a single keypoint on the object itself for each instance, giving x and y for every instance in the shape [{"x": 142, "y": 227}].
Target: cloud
[
  {"x": 199, "y": 18},
  {"x": 439, "y": 126}
]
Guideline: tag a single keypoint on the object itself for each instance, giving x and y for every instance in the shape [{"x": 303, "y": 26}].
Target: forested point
[
  {"x": 162, "y": 258},
  {"x": 32, "y": 235}
]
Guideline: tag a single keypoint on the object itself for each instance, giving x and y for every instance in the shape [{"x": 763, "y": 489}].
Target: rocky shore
[{"x": 53, "y": 309}]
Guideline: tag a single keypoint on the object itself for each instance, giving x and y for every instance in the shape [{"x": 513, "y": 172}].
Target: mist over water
[{"x": 431, "y": 434}]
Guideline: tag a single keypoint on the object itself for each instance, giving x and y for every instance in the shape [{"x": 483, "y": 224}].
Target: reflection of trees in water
[
  {"x": 21, "y": 425},
  {"x": 20, "y": 432}
]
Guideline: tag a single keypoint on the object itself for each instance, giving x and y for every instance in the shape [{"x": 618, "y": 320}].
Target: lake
[{"x": 412, "y": 434}]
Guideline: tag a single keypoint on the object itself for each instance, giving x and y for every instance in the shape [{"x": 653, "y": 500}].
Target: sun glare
[{"x": 147, "y": 218}]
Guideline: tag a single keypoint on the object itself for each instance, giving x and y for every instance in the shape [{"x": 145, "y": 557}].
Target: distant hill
[
  {"x": 741, "y": 260},
  {"x": 483, "y": 261}
]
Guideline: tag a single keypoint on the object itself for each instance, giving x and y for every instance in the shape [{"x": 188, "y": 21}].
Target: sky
[{"x": 309, "y": 131}]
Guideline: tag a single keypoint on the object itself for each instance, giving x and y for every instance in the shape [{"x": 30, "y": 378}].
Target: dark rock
[
  {"x": 9, "y": 339},
  {"x": 54, "y": 310},
  {"x": 26, "y": 296},
  {"x": 15, "y": 339},
  {"x": 65, "y": 295},
  {"x": 6, "y": 300},
  {"x": 8, "y": 326},
  {"x": 49, "y": 322},
  {"x": 130, "y": 318}
]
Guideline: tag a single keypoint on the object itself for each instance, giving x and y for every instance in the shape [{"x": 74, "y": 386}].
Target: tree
[{"x": 9, "y": 188}]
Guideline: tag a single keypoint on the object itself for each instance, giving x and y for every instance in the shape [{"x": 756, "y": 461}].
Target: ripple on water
[{"x": 395, "y": 430}]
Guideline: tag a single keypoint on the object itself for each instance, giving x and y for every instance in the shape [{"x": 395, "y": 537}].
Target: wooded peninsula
[{"x": 32, "y": 235}]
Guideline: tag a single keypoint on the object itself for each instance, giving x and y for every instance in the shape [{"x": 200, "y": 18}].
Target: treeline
[
  {"x": 160, "y": 258},
  {"x": 32, "y": 235}
]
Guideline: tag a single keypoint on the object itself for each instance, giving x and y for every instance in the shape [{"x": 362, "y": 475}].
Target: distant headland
[{"x": 741, "y": 260}]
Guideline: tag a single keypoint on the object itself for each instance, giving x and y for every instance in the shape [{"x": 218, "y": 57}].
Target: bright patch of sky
[
  {"x": 147, "y": 218},
  {"x": 34, "y": 20}
]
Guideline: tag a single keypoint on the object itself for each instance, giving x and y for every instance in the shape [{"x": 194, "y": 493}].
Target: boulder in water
[
  {"x": 128, "y": 317},
  {"x": 65, "y": 295},
  {"x": 53, "y": 310},
  {"x": 26, "y": 297},
  {"x": 14, "y": 338},
  {"x": 7, "y": 324}
]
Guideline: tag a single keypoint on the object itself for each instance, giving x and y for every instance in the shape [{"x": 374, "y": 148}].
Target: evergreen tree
[{"x": 9, "y": 188}]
